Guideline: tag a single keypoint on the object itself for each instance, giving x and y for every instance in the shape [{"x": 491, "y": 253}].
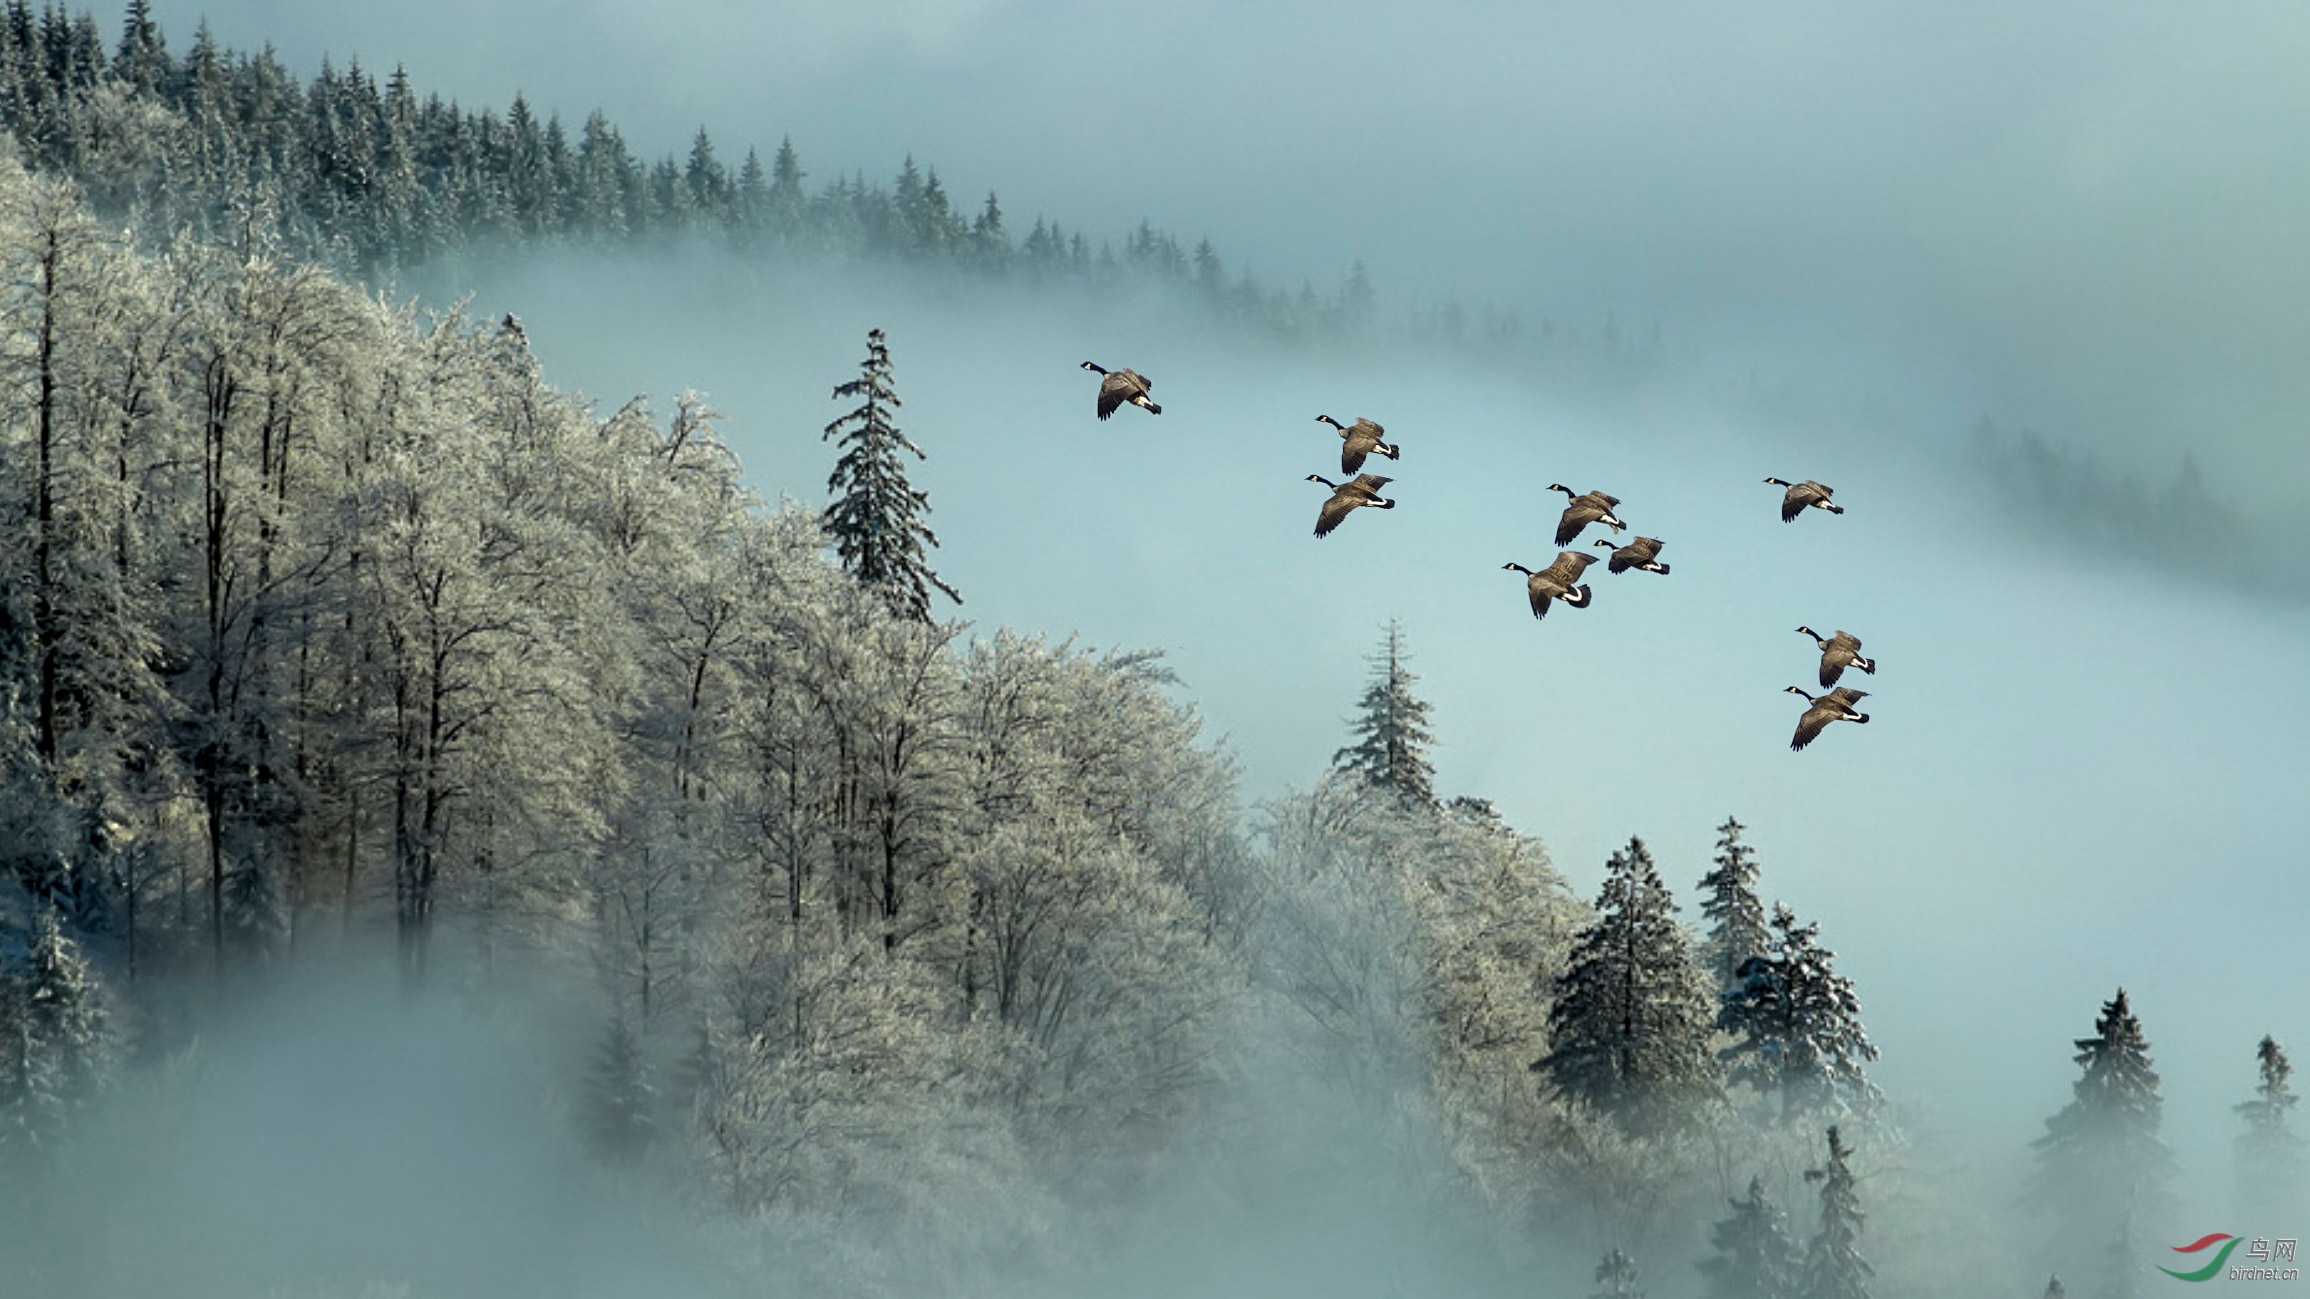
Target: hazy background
[
  {"x": 2083, "y": 217},
  {"x": 2084, "y": 220}
]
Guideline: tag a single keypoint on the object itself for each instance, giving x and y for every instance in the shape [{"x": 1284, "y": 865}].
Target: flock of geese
[{"x": 1560, "y": 580}]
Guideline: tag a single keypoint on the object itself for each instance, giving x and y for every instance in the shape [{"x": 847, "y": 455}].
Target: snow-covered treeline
[{"x": 372, "y": 175}]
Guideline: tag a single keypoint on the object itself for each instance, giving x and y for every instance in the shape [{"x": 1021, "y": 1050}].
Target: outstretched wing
[
  {"x": 1351, "y": 457},
  {"x": 1846, "y": 696},
  {"x": 1333, "y": 511},
  {"x": 1566, "y": 571},
  {"x": 1114, "y": 390},
  {"x": 1536, "y": 586},
  {"x": 1810, "y": 726},
  {"x": 1833, "y": 661},
  {"x": 1372, "y": 482},
  {"x": 1143, "y": 381},
  {"x": 1576, "y": 517}
]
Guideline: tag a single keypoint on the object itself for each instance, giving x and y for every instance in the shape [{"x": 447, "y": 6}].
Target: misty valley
[{"x": 912, "y": 810}]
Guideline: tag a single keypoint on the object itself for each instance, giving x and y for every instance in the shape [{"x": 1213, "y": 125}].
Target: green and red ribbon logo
[{"x": 2210, "y": 1270}]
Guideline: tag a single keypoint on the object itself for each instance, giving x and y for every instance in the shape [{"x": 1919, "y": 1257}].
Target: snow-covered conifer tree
[
  {"x": 1633, "y": 1012},
  {"x": 1834, "y": 1268},
  {"x": 1729, "y": 901},
  {"x": 875, "y": 520},
  {"x": 1390, "y": 750},
  {"x": 1796, "y": 1024},
  {"x": 57, "y": 1042},
  {"x": 1755, "y": 1258}
]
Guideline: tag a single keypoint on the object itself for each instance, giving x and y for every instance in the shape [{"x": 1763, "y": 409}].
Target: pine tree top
[
  {"x": 875, "y": 520},
  {"x": 1391, "y": 732},
  {"x": 1729, "y": 901},
  {"x": 2107, "y": 1134},
  {"x": 2118, "y": 1079},
  {"x": 1834, "y": 1267},
  {"x": 2274, "y": 1098},
  {"x": 1755, "y": 1256},
  {"x": 1630, "y": 1025}
]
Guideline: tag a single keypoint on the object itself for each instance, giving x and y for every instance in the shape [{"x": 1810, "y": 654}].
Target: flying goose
[
  {"x": 1122, "y": 386},
  {"x": 1580, "y": 511},
  {"x": 1363, "y": 489},
  {"x": 1839, "y": 652},
  {"x": 1640, "y": 552},
  {"x": 1803, "y": 494},
  {"x": 1360, "y": 441},
  {"x": 1835, "y": 706},
  {"x": 1558, "y": 581}
]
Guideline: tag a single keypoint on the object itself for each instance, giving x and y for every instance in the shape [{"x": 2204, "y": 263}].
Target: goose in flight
[
  {"x": 1122, "y": 386},
  {"x": 1839, "y": 652},
  {"x": 1640, "y": 553},
  {"x": 1360, "y": 441},
  {"x": 1582, "y": 510},
  {"x": 1803, "y": 494},
  {"x": 1835, "y": 706},
  {"x": 1363, "y": 489},
  {"x": 1558, "y": 581}
]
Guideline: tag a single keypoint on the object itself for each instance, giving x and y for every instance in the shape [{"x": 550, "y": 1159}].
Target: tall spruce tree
[
  {"x": 875, "y": 520},
  {"x": 2269, "y": 1154},
  {"x": 2100, "y": 1162},
  {"x": 1633, "y": 1012},
  {"x": 619, "y": 1099},
  {"x": 1390, "y": 750},
  {"x": 56, "y": 1036},
  {"x": 1796, "y": 1024},
  {"x": 1755, "y": 1258},
  {"x": 1729, "y": 901},
  {"x": 1834, "y": 1268},
  {"x": 1616, "y": 1277}
]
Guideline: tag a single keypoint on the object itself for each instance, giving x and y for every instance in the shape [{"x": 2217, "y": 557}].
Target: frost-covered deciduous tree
[
  {"x": 876, "y": 518},
  {"x": 1796, "y": 1024},
  {"x": 1736, "y": 918},
  {"x": 1629, "y": 1031},
  {"x": 1391, "y": 735}
]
